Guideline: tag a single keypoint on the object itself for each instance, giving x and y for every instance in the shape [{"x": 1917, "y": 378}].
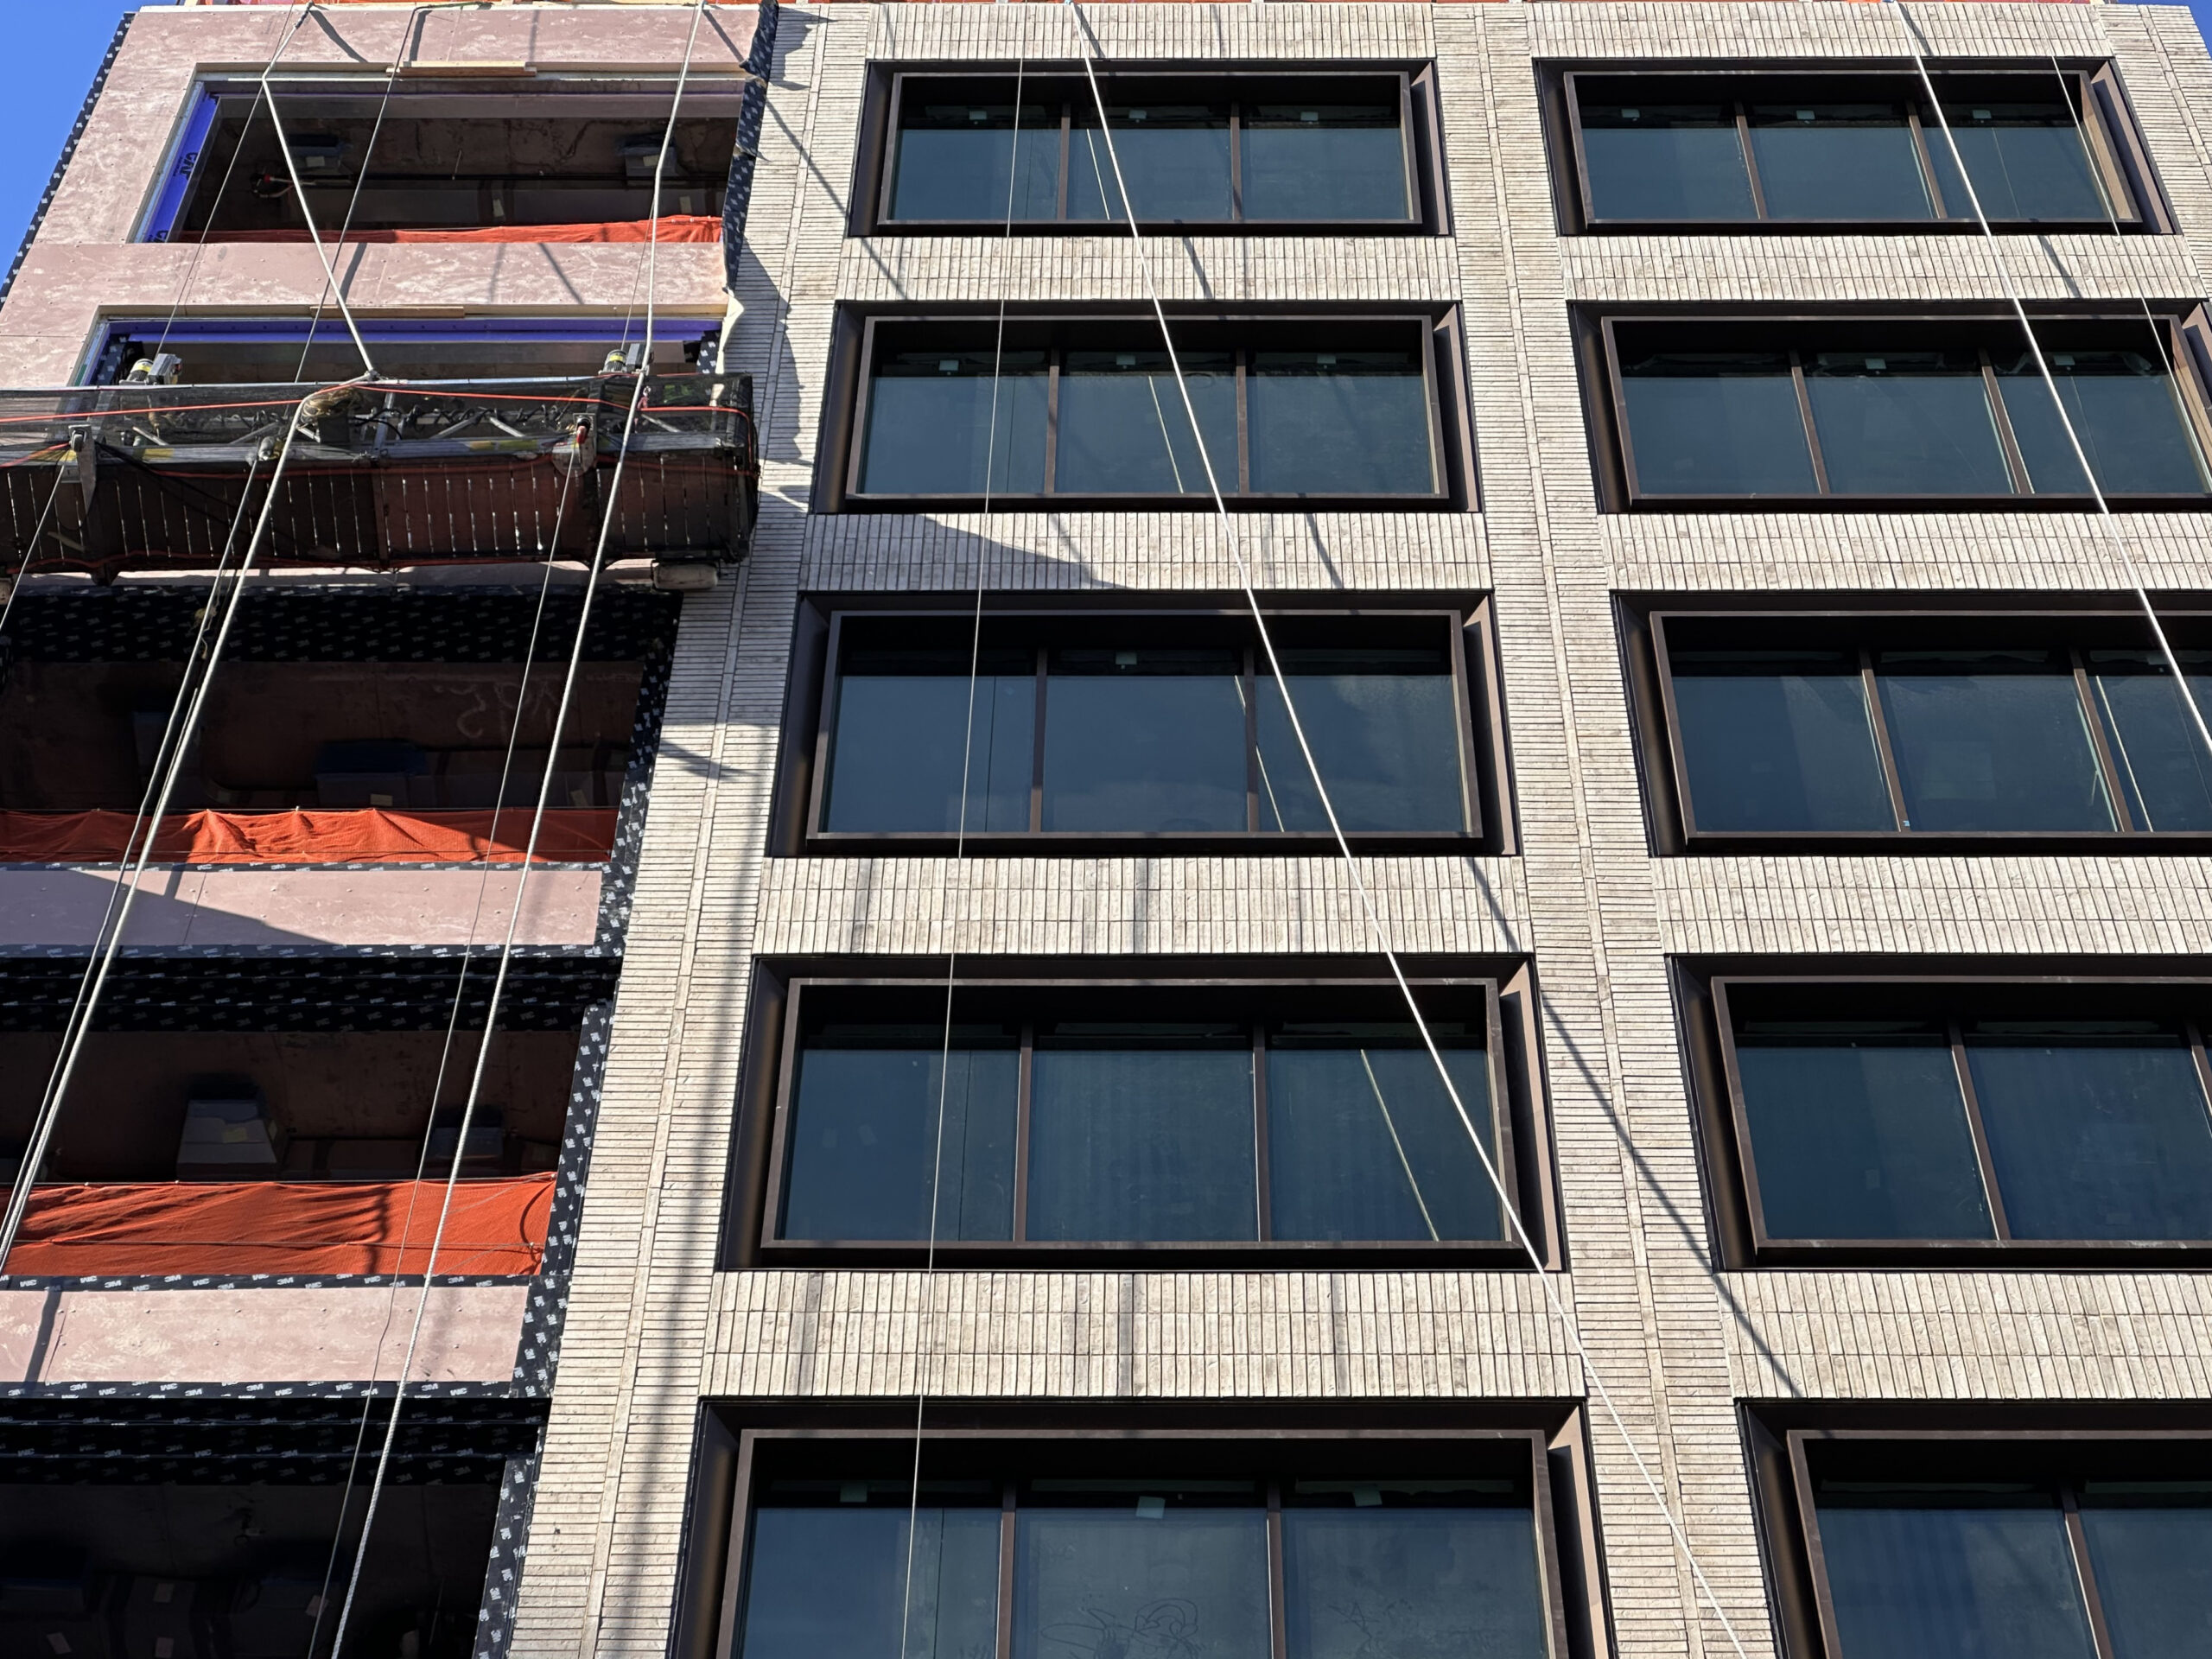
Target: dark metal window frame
[
  {"x": 759, "y": 1150},
  {"x": 876, "y": 163},
  {"x": 851, "y": 382},
  {"x": 2117, "y": 154},
  {"x": 1778, "y": 1442},
  {"x": 2185, "y": 334},
  {"x": 735, "y": 1436},
  {"x": 1702, "y": 990},
  {"x": 811, "y": 716},
  {"x": 2060, "y": 625},
  {"x": 512, "y": 91}
]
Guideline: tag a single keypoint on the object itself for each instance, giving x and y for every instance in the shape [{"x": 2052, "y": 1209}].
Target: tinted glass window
[
  {"x": 1144, "y": 740},
  {"x": 2150, "y": 1546},
  {"x": 1175, "y": 159},
  {"x": 2096, "y": 1139},
  {"x": 1143, "y": 1134},
  {"x": 865, "y": 1137},
  {"x": 1123, "y": 427},
  {"x": 1905, "y": 423},
  {"x": 1776, "y": 744},
  {"x": 1716, "y": 423},
  {"x": 1837, "y": 161},
  {"x": 1339, "y": 423},
  {"x": 1968, "y": 1572},
  {"x": 1364, "y": 1142},
  {"x": 1860, "y": 1137},
  {"x": 2164, "y": 765},
  {"x": 1384, "y": 730},
  {"x": 946, "y": 423},
  {"x": 897, "y": 758},
  {"x": 1323, "y": 162},
  {"x": 962, "y": 160},
  {"x": 1665, "y": 160},
  {"x": 1167, "y": 1575},
  {"x": 1361, "y": 1579},
  {"x": 2026, "y": 158},
  {"x": 834, "y": 1581},
  {"x": 2126, "y": 412},
  {"x": 1991, "y": 741}
]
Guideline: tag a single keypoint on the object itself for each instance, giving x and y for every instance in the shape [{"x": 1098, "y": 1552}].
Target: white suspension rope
[
  {"x": 530, "y": 855},
  {"x": 1559, "y": 1311},
  {"x": 2105, "y": 514},
  {"x": 922, "y": 1344}
]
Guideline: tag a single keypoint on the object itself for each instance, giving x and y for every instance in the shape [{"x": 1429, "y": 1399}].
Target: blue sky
[{"x": 56, "y": 47}]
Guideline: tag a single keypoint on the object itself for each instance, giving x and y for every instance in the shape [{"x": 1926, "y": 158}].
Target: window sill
[
  {"x": 1985, "y": 1255},
  {"x": 1041, "y": 1256},
  {"x": 1932, "y": 843},
  {"x": 1646, "y": 503},
  {"x": 1164, "y": 844},
  {"x": 1900, "y": 227}
]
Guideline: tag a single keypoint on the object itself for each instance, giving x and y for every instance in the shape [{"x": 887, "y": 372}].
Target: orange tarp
[
  {"x": 496, "y": 1227},
  {"x": 674, "y": 227},
  {"x": 367, "y": 835}
]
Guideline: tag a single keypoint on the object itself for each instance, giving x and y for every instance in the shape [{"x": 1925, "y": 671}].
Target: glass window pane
[
  {"x": 2163, "y": 765},
  {"x": 896, "y": 757},
  {"x": 1367, "y": 1583},
  {"x": 1716, "y": 423},
  {"x": 2154, "y": 1575},
  {"x": 2096, "y": 1142},
  {"x": 1144, "y": 740},
  {"x": 2027, "y": 161},
  {"x": 1678, "y": 160},
  {"x": 1150, "y": 1579},
  {"x": 1385, "y": 731},
  {"x": 2125, "y": 411},
  {"x": 864, "y": 1139},
  {"x": 1138, "y": 1143},
  {"x": 941, "y": 424},
  {"x": 1991, "y": 740},
  {"x": 1862, "y": 1141},
  {"x": 1778, "y": 746},
  {"x": 826, "y": 1584},
  {"x": 1837, "y": 161},
  {"x": 957, "y": 160},
  {"x": 1364, "y": 1143},
  {"x": 1174, "y": 159},
  {"x": 1324, "y": 161},
  {"x": 1906, "y": 424},
  {"x": 1338, "y": 423},
  {"x": 1123, "y": 426},
  {"x": 1980, "y": 1582}
]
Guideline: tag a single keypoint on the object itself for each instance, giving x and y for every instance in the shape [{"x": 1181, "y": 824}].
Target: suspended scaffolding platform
[{"x": 381, "y": 474}]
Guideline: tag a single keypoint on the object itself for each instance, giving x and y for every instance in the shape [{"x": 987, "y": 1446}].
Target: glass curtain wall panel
[
  {"x": 1142, "y": 1122},
  {"x": 1283, "y": 150},
  {"x": 1090, "y": 407},
  {"x": 1150, "y": 1563},
  {"x": 1916, "y": 1115},
  {"x": 1723, "y": 149},
  {"x": 1909, "y": 410},
  {"x": 1136, "y": 725},
  {"x": 2026, "y": 733}
]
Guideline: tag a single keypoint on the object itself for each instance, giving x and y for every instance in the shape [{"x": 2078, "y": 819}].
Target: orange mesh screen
[
  {"x": 674, "y": 227},
  {"x": 368, "y": 834},
  {"x": 496, "y": 1227}
]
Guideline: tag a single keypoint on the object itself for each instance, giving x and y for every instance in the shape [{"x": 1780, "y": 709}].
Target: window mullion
[
  {"x": 1006, "y": 1571},
  {"x": 1037, "y": 751},
  {"x": 1278, "y": 1601},
  {"x": 1067, "y": 144},
  {"x": 1243, "y": 426},
  {"x": 1872, "y": 692},
  {"x": 1263, "y": 1229},
  {"x": 1251, "y": 694},
  {"x": 2123, "y": 814},
  {"x": 2015, "y": 462},
  {"x": 1805, "y": 414},
  {"x": 1053, "y": 416},
  {"x": 1024, "y": 1070},
  {"x": 1980, "y": 1134},
  {"x": 1237, "y": 160},
  {"x": 1751, "y": 162},
  {"x": 2077, "y": 1537},
  {"x": 1919, "y": 132},
  {"x": 2196, "y": 1052}
]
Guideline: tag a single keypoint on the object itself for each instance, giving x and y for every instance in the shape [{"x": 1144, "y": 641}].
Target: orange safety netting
[
  {"x": 497, "y": 1226},
  {"x": 674, "y": 227},
  {"x": 367, "y": 835}
]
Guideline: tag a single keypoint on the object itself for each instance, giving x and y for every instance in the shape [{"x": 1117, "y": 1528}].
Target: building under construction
[{"x": 1260, "y": 830}]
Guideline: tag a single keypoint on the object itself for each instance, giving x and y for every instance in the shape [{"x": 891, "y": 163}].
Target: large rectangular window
[
  {"x": 1933, "y": 729},
  {"x": 1100, "y": 728},
  {"x": 1900, "y": 412},
  {"x": 1088, "y": 411},
  {"x": 1118, "y": 1541},
  {"x": 2072, "y": 1540},
  {"x": 1950, "y": 1119},
  {"x": 1289, "y": 152},
  {"x": 1097, "y": 1115},
  {"x": 1725, "y": 150}
]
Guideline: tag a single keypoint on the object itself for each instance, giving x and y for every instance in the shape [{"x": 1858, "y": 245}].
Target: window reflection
[
  {"x": 2126, "y": 412},
  {"x": 1174, "y": 162},
  {"x": 1665, "y": 160},
  {"x": 1716, "y": 423},
  {"x": 1837, "y": 161},
  {"x": 1991, "y": 740},
  {"x": 1777, "y": 742},
  {"x": 2164, "y": 768},
  {"x": 1144, "y": 740},
  {"x": 964, "y": 160},
  {"x": 1905, "y": 423},
  {"x": 955, "y": 422},
  {"x": 834, "y": 1581}
]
